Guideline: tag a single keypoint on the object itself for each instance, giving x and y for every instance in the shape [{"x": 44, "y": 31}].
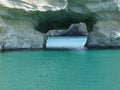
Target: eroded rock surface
[
  {"x": 21, "y": 18},
  {"x": 104, "y": 35},
  {"x": 78, "y": 29},
  {"x": 19, "y": 34}
]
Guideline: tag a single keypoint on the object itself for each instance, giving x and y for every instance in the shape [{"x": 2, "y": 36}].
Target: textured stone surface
[
  {"x": 106, "y": 26},
  {"x": 49, "y": 10},
  {"x": 32, "y": 9},
  {"x": 44, "y": 15},
  {"x": 78, "y": 29},
  {"x": 104, "y": 35},
  {"x": 19, "y": 34},
  {"x": 34, "y": 5},
  {"x": 39, "y": 12}
]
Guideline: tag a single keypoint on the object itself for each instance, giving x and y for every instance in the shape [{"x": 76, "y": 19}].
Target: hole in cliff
[
  {"x": 53, "y": 24},
  {"x": 67, "y": 41},
  {"x": 63, "y": 24}
]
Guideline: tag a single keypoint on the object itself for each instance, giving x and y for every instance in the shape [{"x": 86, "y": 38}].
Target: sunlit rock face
[
  {"x": 34, "y": 5},
  {"x": 18, "y": 20},
  {"x": 106, "y": 21},
  {"x": 40, "y": 12},
  {"x": 19, "y": 34},
  {"x": 53, "y": 13},
  {"x": 26, "y": 16},
  {"x": 106, "y": 34},
  {"x": 92, "y": 8}
]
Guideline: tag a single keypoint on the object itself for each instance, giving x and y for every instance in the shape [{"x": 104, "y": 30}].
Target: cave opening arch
[{"x": 64, "y": 24}]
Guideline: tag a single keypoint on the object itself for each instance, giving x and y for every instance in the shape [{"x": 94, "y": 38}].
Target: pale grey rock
[
  {"x": 19, "y": 34},
  {"x": 78, "y": 29},
  {"x": 35, "y": 5},
  {"x": 33, "y": 10},
  {"x": 57, "y": 10},
  {"x": 105, "y": 34},
  {"x": 93, "y": 8},
  {"x": 41, "y": 12}
]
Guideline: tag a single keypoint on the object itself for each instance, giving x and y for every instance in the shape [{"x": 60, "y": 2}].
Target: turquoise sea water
[{"x": 60, "y": 70}]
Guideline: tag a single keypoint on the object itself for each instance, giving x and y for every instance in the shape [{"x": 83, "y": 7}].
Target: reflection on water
[{"x": 66, "y": 42}]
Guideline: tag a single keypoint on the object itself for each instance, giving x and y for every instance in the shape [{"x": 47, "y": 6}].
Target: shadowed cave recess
[{"x": 63, "y": 22}]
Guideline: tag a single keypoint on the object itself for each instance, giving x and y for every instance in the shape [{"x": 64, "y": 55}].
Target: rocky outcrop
[
  {"x": 39, "y": 12},
  {"x": 78, "y": 29},
  {"x": 99, "y": 9},
  {"x": 19, "y": 34},
  {"x": 21, "y": 18},
  {"x": 106, "y": 34},
  {"x": 106, "y": 18},
  {"x": 44, "y": 12},
  {"x": 34, "y": 5}
]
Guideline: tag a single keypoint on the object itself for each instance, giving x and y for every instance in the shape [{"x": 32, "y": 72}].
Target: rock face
[
  {"x": 79, "y": 29},
  {"x": 93, "y": 9},
  {"x": 34, "y": 5},
  {"x": 19, "y": 34},
  {"x": 106, "y": 34},
  {"x": 21, "y": 18},
  {"x": 106, "y": 19}
]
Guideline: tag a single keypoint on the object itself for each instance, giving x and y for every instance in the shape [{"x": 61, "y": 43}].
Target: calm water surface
[{"x": 60, "y": 70}]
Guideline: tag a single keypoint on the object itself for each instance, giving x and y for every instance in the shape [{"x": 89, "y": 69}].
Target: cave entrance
[
  {"x": 65, "y": 33},
  {"x": 66, "y": 42}
]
